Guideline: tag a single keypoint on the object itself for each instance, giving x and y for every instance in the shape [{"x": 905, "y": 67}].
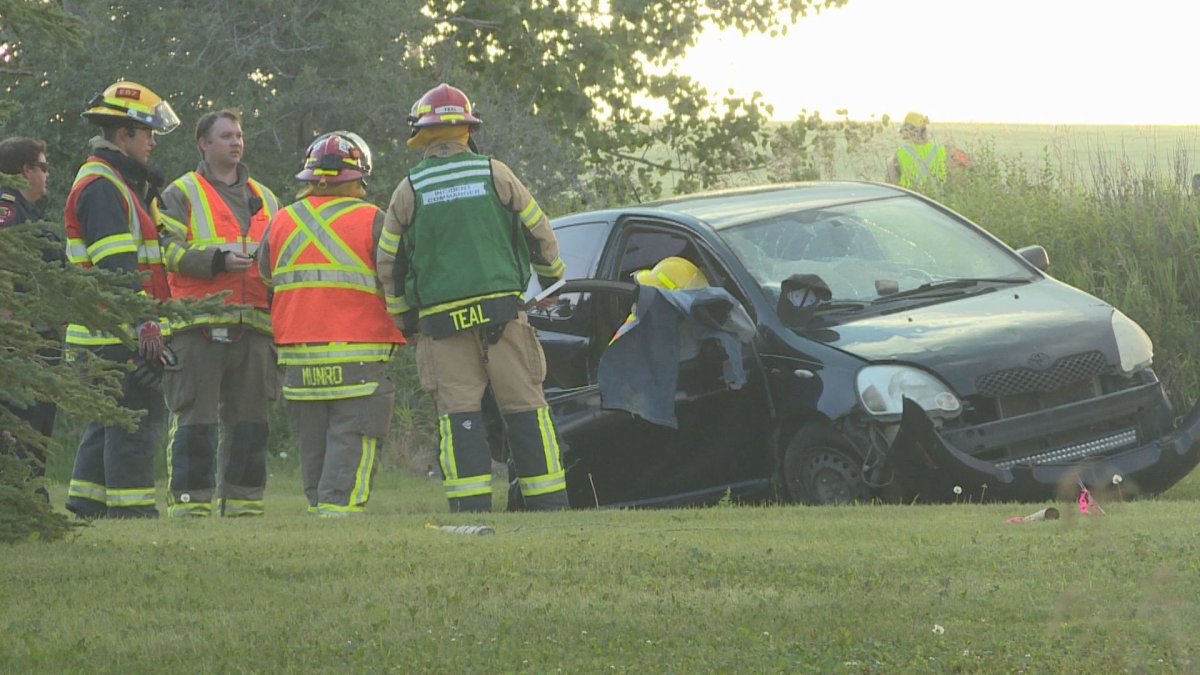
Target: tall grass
[{"x": 1127, "y": 233}]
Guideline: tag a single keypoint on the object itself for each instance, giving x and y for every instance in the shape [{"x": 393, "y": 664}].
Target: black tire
[{"x": 820, "y": 468}]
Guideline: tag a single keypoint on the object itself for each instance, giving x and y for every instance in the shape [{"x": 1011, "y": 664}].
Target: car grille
[
  {"x": 1108, "y": 443},
  {"x": 1016, "y": 381}
]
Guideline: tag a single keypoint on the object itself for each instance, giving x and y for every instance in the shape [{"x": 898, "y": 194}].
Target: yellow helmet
[
  {"x": 916, "y": 119},
  {"x": 674, "y": 274},
  {"x": 125, "y": 102}
]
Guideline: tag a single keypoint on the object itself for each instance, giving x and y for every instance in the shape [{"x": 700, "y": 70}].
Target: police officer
[
  {"x": 26, "y": 157},
  {"x": 331, "y": 324},
  {"x": 111, "y": 216},
  {"x": 213, "y": 220},
  {"x": 462, "y": 233}
]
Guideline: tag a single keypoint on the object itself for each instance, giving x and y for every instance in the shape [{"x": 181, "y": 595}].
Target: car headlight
[
  {"x": 1133, "y": 345},
  {"x": 882, "y": 390}
]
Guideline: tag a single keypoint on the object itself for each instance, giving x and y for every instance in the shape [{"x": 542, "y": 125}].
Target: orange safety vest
[
  {"x": 211, "y": 224},
  {"x": 323, "y": 273},
  {"x": 141, "y": 238}
]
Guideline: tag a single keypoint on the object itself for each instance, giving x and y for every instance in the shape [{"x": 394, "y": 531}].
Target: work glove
[
  {"x": 150, "y": 343},
  {"x": 546, "y": 282}
]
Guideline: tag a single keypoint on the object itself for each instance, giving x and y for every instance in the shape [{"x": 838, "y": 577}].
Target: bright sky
[{"x": 1044, "y": 61}]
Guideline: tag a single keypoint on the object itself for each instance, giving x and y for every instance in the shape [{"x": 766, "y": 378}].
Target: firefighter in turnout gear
[
  {"x": 461, "y": 235},
  {"x": 110, "y": 223},
  {"x": 331, "y": 325},
  {"x": 213, "y": 220}
]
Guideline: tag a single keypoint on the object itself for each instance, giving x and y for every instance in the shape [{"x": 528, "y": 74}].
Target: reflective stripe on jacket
[
  {"x": 323, "y": 272},
  {"x": 212, "y": 224},
  {"x": 140, "y": 238},
  {"x": 921, "y": 164}
]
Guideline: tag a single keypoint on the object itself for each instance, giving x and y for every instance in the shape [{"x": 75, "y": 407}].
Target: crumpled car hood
[{"x": 1027, "y": 326}]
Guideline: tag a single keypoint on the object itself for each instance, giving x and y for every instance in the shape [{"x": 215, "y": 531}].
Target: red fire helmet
[
  {"x": 336, "y": 157},
  {"x": 443, "y": 104}
]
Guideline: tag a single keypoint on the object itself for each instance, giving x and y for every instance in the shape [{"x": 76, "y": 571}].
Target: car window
[
  {"x": 868, "y": 249},
  {"x": 644, "y": 248},
  {"x": 579, "y": 246}
]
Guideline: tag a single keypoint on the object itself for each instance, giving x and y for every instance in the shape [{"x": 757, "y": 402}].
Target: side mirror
[{"x": 1036, "y": 256}]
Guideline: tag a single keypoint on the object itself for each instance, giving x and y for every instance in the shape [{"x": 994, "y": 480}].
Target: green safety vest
[
  {"x": 921, "y": 164},
  {"x": 463, "y": 244}
]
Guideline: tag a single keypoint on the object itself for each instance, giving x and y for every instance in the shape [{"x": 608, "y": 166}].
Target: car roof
[{"x": 724, "y": 208}]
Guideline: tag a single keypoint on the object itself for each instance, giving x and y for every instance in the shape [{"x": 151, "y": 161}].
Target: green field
[
  {"x": 1079, "y": 146},
  {"x": 1076, "y": 154},
  {"x": 868, "y": 589}
]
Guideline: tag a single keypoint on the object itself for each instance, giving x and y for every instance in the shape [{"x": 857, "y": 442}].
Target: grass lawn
[{"x": 732, "y": 589}]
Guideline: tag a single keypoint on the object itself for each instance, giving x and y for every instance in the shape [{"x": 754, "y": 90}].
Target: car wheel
[{"x": 820, "y": 468}]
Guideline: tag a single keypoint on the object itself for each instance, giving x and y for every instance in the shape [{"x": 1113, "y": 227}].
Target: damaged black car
[{"x": 844, "y": 342}]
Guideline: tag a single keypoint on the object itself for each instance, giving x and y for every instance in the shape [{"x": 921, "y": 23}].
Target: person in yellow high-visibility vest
[{"x": 920, "y": 163}]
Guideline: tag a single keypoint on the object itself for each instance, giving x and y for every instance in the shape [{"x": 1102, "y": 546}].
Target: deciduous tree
[{"x": 579, "y": 96}]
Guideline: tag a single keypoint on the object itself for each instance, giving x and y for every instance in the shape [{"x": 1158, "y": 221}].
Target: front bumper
[{"x": 929, "y": 464}]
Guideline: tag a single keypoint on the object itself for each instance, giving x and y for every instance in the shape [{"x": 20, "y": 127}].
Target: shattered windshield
[{"x": 868, "y": 252}]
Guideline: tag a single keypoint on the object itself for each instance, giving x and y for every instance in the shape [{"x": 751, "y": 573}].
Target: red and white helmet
[
  {"x": 336, "y": 157},
  {"x": 443, "y": 104}
]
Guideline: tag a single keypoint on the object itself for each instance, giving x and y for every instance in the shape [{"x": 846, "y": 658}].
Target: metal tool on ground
[
  {"x": 461, "y": 529},
  {"x": 1048, "y": 513}
]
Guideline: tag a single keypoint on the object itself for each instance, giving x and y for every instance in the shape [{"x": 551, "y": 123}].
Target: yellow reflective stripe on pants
[
  {"x": 242, "y": 507},
  {"x": 549, "y": 440},
  {"x": 469, "y": 486},
  {"x": 446, "y": 454},
  {"x": 335, "y": 352},
  {"x": 329, "y": 393},
  {"x": 361, "y": 491},
  {"x": 178, "y": 509},
  {"x": 337, "y": 510},
  {"x": 86, "y": 490},
  {"x": 130, "y": 496},
  {"x": 544, "y": 484}
]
